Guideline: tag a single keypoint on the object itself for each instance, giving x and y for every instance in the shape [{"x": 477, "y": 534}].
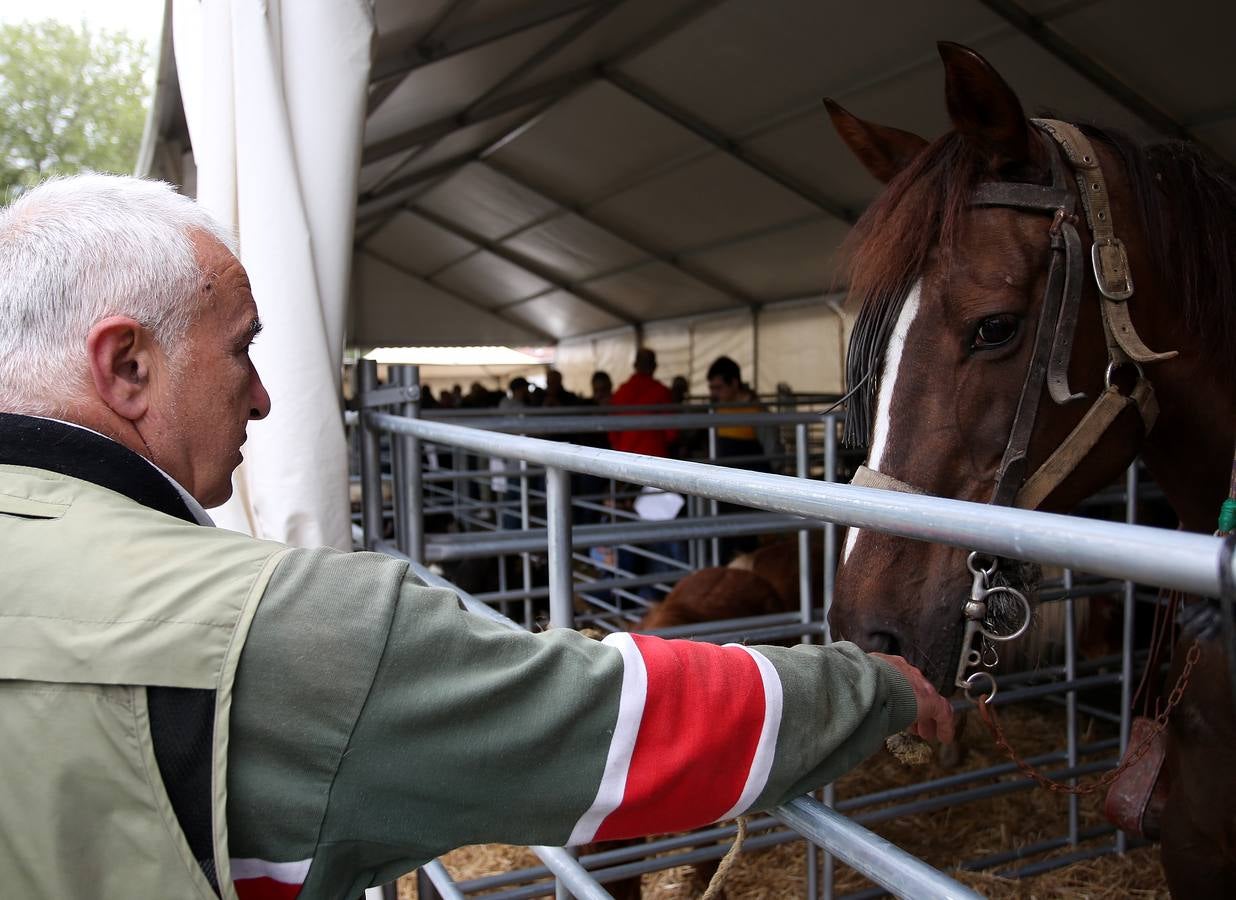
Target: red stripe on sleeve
[
  {"x": 702, "y": 720},
  {"x": 265, "y": 889}
]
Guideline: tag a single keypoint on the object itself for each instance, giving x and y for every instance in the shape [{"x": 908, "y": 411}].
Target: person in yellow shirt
[{"x": 738, "y": 445}]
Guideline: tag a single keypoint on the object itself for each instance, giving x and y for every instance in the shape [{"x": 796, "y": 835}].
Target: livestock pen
[{"x": 1127, "y": 553}]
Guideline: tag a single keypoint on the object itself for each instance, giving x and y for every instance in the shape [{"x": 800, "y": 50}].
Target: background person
[
  {"x": 555, "y": 394},
  {"x": 189, "y": 711},
  {"x": 641, "y": 389},
  {"x": 737, "y": 445},
  {"x": 602, "y": 388}
]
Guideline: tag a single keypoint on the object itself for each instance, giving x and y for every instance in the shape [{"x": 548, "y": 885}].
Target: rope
[{"x": 717, "y": 882}]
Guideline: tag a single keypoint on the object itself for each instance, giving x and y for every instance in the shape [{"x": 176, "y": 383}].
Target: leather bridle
[{"x": 1075, "y": 174}]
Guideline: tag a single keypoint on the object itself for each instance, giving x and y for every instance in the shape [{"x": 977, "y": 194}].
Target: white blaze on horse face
[{"x": 884, "y": 401}]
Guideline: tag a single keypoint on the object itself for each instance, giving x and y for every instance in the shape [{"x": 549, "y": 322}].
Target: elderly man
[{"x": 189, "y": 712}]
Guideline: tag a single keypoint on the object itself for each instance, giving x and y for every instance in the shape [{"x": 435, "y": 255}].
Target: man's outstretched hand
[{"x": 935, "y": 715}]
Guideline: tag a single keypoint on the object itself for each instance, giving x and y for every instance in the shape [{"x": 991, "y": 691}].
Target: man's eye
[{"x": 994, "y": 331}]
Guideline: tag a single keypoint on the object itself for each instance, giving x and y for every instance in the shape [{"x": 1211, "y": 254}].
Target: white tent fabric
[
  {"x": 800, "y": 343},
  {"x": 274, "y": 94}
]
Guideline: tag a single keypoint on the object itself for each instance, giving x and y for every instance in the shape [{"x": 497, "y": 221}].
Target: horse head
[{"x": 981, "y": 339}]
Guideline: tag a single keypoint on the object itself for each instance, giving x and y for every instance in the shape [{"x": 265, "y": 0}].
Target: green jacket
[{"x": 363, "y": 723}]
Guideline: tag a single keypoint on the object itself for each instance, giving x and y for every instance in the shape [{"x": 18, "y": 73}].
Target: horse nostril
[{"x": 882, "y": 642}]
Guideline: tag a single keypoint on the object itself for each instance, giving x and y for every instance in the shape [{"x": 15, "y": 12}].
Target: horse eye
[{"x": 994, "y": 331}]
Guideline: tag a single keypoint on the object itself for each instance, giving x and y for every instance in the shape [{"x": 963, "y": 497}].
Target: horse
[
  {"x": 989, "y": 365},
  {"x": 715, "y": 593}
]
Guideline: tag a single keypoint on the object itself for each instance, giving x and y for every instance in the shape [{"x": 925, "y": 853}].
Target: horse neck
[{"x": 1190, "y": 449}]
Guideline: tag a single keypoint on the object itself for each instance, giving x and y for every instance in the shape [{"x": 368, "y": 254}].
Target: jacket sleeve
[{"x": 472, "y": 733}]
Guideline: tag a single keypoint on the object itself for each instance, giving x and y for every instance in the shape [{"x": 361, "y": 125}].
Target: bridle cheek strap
[
  {"x": 1053, "y": 344},
  {"x": 1107, "y": 254},
  {"x": 1084, "y": 437}
]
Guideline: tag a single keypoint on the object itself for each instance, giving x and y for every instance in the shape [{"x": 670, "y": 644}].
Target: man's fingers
[
  {"x": 935, "y": 714},
  {"x": 946, "y": 722}
]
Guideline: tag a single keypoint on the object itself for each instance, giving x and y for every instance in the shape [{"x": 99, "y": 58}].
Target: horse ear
[
  {"x": 983, "y": 107},
  {"x": 883, "y": 150}
]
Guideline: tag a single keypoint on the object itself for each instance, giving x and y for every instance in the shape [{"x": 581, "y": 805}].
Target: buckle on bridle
[
  {"x": 1111, "y": 268},
  {"x": 1114, "y": 366}
]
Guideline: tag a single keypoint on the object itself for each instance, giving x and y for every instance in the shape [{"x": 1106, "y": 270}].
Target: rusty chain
[{"x": 1132, "y": 755}]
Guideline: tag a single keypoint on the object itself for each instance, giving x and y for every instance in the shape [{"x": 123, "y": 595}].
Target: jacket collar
[{"x": 78, "y": 452}]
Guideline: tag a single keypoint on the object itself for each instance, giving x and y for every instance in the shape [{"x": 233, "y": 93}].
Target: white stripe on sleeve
[
  {"x": 285, "y": 872},
  {"x": 622, "y": 745},
  {"x": 766, "y": 748}
]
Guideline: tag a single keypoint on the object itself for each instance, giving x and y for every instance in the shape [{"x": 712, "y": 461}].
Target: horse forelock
[{"x": 887, "y": 252}]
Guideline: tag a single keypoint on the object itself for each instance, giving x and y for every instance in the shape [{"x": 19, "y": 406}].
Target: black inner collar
[{"x": 78, "y": 453}]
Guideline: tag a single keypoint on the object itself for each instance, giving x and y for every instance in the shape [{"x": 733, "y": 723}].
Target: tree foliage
[{"x": 70, "y": 99}]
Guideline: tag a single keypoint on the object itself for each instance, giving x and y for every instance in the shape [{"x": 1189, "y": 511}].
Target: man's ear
[{"x": 120, "y": 353}]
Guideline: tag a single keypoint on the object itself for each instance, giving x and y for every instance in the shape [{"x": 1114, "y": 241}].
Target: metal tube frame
[
  {"x": 900, "y": 872},
  {"x": 406, "y": 452},
  {"x": 370, "y": 458},
  {"x": 1184, "y": 569},
  {"x": 1187, "y": 562}
]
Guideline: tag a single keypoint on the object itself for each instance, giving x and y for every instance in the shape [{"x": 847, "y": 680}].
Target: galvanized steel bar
[
  {"x": 525, "y": 524},
  {"x": 1126, "y": 665},
  {"x": 1070, "y": 711},
  {"x": 830, "y": 529},
  {"x": 370, "y": 458},
  {"x": 596, "y": 584},
  {"x": 1187, "y": 562},
  {"x": 472, "y": 544},
  {"x": 410, "y": 519},
  {"x": 442, "y": 881},
  {"x": 801, "y": 470},
  {"x": 984, "y": 775},
  {"x": 518, "y": 423},
  {"x": 558, "y": 515},
  {"x": 570, "y": 874},
  {"x": 878, "y": 859},
  {"x": 830, "y": 581}
]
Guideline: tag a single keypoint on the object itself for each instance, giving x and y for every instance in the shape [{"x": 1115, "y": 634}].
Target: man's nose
[{"x": 259, "y": 399}]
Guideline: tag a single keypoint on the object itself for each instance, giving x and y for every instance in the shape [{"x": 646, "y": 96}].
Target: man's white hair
[{"x": 76, "y": 250}]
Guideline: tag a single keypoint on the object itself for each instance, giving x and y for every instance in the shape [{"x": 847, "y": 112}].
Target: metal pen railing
[
  {"x": 1171, "y": 559},
  {"x": 866, "y": 851},
  {"x": 1119, "y": 551}
]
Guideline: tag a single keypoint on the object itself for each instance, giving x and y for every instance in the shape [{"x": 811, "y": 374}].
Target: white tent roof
[{"x": 538, "y": 170}]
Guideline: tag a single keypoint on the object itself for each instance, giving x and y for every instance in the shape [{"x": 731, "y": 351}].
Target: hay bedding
[{"x": 942, "y": 838}]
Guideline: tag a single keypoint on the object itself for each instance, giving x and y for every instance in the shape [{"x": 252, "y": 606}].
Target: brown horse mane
[{"x": 1186, "y": 202}]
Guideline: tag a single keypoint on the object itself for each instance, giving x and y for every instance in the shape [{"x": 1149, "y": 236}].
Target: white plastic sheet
[{"x": 274, "y": 93}]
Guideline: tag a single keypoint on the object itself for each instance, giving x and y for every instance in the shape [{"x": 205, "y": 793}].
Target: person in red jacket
[{"x": 641, "y": 389}]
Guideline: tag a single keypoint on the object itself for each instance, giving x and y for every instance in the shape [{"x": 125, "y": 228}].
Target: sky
[{"x": 140, "y": 18}]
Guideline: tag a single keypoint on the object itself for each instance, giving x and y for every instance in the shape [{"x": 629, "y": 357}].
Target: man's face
[
  {"x": 213, "y": 390},
  {"x": 722, "y": 391}
]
